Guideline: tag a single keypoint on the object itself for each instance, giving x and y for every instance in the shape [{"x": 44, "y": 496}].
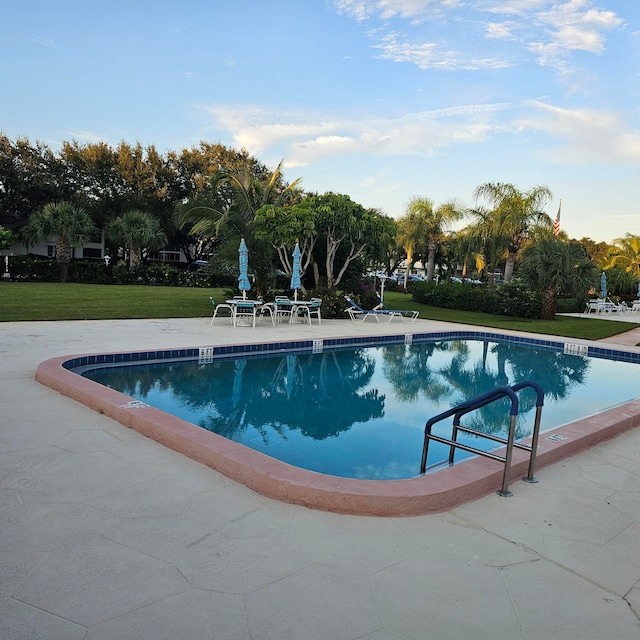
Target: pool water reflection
[{"x": 360, "y": 412}]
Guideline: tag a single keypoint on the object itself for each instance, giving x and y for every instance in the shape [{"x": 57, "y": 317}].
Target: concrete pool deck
[{"x": 107, "y": 534}]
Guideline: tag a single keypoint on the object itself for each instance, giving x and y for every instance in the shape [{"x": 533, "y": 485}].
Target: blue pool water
[{"x": 360, "y": 412}]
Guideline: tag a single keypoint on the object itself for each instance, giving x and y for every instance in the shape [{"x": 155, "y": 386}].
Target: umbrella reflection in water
[{"x": 238, "y": 369}]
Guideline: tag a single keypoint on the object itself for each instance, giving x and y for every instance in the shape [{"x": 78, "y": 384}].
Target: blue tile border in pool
[{"x": 222, "y": 351}]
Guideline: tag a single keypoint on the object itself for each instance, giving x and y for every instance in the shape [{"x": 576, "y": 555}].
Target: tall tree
[
  {"x": 30, "y": 177},
  {"x": 137, "y": 231},
  {"x": 283, "y": 227},
  {"x": 347, "y": 232},
  {"x": 71, "y": 226},
  {"x": 513, "y": 213},
  {"x": 388, "y": 251}
]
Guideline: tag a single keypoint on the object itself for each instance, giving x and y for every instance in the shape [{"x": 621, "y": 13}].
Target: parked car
[
  {"x": 466, "y": 280},
  {"x": 398, "y": 278}
]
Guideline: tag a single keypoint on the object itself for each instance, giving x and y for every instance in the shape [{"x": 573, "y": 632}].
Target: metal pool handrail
[{"x": 477, "y": 403}]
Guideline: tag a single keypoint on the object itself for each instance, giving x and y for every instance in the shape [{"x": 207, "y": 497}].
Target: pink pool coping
[{"x": 432, "y": 493}]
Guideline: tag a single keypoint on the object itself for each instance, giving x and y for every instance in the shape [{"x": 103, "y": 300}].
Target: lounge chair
[
  {"x": 407, "y": 315},
  {"x": 382, "y": 315},
  {"x": 618, "y": 307}
]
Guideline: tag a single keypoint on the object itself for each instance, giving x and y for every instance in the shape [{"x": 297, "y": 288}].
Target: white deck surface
[{"x": 105, "y": 534}]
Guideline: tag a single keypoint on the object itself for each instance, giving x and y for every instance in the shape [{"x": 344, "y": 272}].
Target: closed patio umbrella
[
  {"x": 603, "y": 285},
  {"x": 295, "y": 271},
  {"x": 243, "y": 279}
]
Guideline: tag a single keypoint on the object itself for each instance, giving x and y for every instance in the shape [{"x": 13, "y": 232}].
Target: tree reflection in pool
[{"x": 360, "y": 412}]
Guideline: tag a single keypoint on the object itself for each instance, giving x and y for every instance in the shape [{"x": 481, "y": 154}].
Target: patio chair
[
  {"x": 599, "y": 305},
  {"x": 592, "y": 305},
  {"x": 245, "y": 310},
  {"x": 283, "y": 308},
  {"x": 314, "y": 309},
  {"x": 219, "y": 307},
  {"x": 266, "y": 308}
]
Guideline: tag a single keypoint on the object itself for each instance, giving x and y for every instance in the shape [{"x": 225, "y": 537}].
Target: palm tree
[
  {"x": 240, "y": 193},
  {"x": 627, "y": 255},
  {"x": 137, "y": 231},
  {"x": 447, "y": 213},
  {"x": 465, "y": 251},
  {"x": 424, "y": 225},
  {"x": 513, "y": 215},
  {"x": 71, "y": 226},
  {"x": 482, "y": 242},
  {"x": 412, "y": 231},
  {"x": 553, "y": 267}
]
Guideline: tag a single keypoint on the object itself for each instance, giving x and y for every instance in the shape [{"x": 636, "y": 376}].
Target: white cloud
[
  {"x": 44, "y": 42},
  {"x": 499, "y": 30},
  {"x": 551, "y": 29},
  {"x": 84, "y": 136},
  {"x": 310, "y": 137},
  {"x": 510, "y": 7},
  {"x": 567, "y": 27},
  {"x": 385, "y": 9},
  {"x": 586, "y": 135},
  {"x": 430, "y": 55},
  {"x": 257, "y": 129}
]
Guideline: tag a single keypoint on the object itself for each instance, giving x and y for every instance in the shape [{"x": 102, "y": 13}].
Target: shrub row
[
  {"x": 33, "y": 269},
  {"x": 508, "y": 299}
]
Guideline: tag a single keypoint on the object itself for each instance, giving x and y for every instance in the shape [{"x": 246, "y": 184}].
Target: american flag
[{"x": 556, "y": 222}]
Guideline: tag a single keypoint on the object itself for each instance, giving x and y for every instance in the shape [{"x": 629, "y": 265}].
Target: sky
[{"x": 382, "y": 100}]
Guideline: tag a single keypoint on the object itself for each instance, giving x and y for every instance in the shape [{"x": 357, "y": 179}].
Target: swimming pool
[
  {"x": 359, "y": 412},
  {"x": 276, "y": 479}
]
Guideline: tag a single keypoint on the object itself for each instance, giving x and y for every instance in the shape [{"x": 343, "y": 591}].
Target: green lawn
[
  {"x": 22, "y": 301},
  {"x": 55, "y": 301}
]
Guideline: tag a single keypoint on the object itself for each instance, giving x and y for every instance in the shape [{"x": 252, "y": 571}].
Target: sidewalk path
[{"x": 629, "y": 338}]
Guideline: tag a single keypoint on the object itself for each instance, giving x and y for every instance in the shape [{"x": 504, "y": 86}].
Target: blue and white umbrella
[
  {"x": 295, "y": 272},
  {"x": 243, "y": 279},
  {"x": 638, "y": 289},
  {"x": 603, "y": 285}
]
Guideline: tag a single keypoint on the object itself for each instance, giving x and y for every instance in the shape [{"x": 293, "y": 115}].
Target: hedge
[
  {"x": 36, "y": 269},
  {"x": 508, "y": 299}
]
